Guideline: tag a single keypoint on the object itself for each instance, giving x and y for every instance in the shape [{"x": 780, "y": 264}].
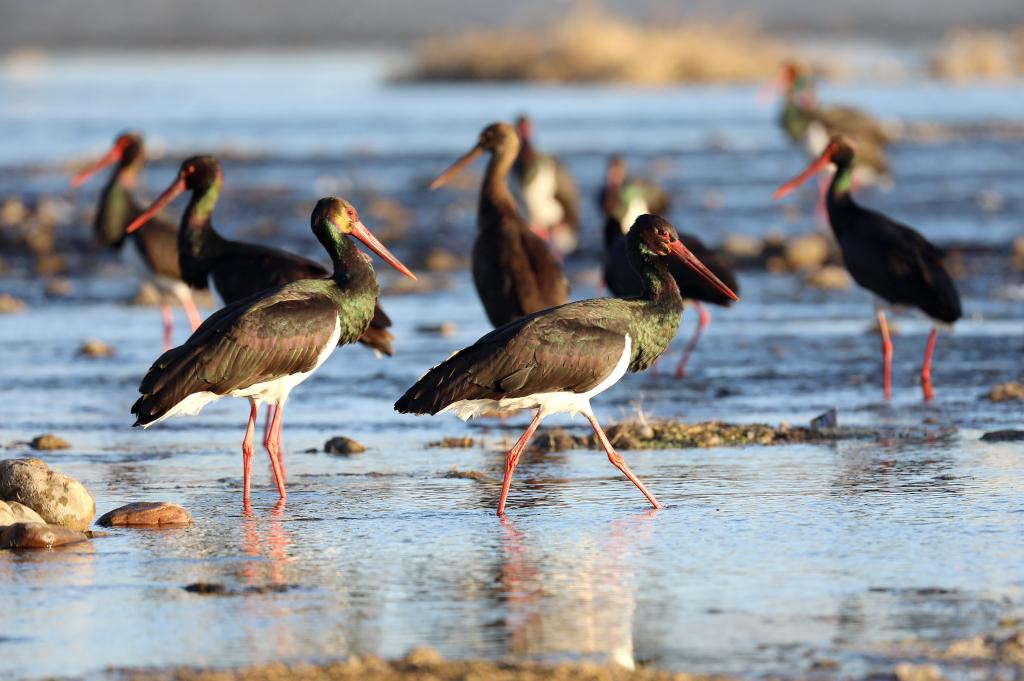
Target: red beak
[
  {"x": 810, "y": 171},
  {"x": 693, "y": 262},
  {"x": 112, "y": 156},
  {"x": 457, "y": 167},
  {"x": 176, "y": 188},
  {"x": 360, "y": 232}
]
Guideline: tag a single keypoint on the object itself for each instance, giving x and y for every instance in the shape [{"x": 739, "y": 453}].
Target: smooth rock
[
  {"x": 38, "y": 536},
  {"x": 343, "y": 445},
  {"x": 806, "y": 251},
  {"x": 830, "y": 278},
  {"x": 95, "y": 348},
  {"x": 1009, "y": 435},
  {"x": 12, "y": 512},
  {"x": 146, "y": 513},
  {"x": 58, "y": 498},
  {"x": 49, "y": 442},
  {"x": 10, "y": 305},
  {"x": 1005, "y": 392},
  {"x": 59, "y": 287}
]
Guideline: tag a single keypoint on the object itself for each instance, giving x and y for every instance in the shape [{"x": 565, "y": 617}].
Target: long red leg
[
  {"x": 274, "y": 449},
  {"x": 250, "y": 430},
  {"x": 165, "y": 312},
  {"x": 820, "y": 211},
  {"x": 705, "y": 319},
  {"x": 194, "y": 318},
  {"x": 512, "y": 460},
  {"x": 926, "y": 368},
  {"x": 883, "y": 328},
  {"x": 267, "y": 422},
  {"x": 617, "y": 461}
]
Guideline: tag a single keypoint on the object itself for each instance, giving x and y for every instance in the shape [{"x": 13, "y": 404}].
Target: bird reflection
[
  {"x": 269, "y": 541},
  {"x": 578, "y": 603}
]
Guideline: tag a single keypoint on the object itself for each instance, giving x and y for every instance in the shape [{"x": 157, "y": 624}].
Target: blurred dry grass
[
  {"x": 592, "y": 46},
  {"x": 973, "y": 54}
]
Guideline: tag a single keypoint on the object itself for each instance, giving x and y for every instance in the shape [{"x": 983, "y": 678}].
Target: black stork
[
  {"x": 556, "y": 360},
  {"x": 621, "y": 200},
  {"x": 549, "y": 193},
  {"x": 812, "y": 125},
  {"x": 238, "y": 269},
  {"x": 891, "y": 260},
  {"x": 514, "y": 270},
  {"x": 156, "y": 246},
  {"x": 262, "y": 346}
]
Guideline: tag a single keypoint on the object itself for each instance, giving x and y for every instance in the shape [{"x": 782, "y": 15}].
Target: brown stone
[
  {"x": 38, "y": 536},
  {"x": 10, "y": 305},
  {"x": 49, "y": 442},
  {"x": 146, "y": 513},
  {"x": 95, "y": 348},
  {"x": 343, "y": 445}
]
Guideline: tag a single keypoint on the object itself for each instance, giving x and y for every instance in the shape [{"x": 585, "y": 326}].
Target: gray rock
[{"x": 58, "y": 498}]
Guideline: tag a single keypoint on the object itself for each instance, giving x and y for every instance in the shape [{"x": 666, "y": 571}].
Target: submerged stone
[
  {"x": 49, "y": 442},
  {"x": 146, "y": 513},
  {"x": 38, "y": 536},
  {"x": 343, "y": 445}
]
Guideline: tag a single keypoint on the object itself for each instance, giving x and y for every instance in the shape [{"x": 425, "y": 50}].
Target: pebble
[
  {"x": 59, "y": 287},
  {"x": 38, "y": 536},
  {"x": 10, "y": 305},
  {"x": 146, "y": 513},
  {"x": 12, "y": 512},
  {"x": 830, "y": 278},
  {"x": 96, "y": 348},
  {"x": 742, "y": 246},
  {"x": 1006, "y": 392},
  {"x": 343, "y": 445},
  {"x": 806, "y": 251},
  {"x": 1003, "y": 436},
  {"x": 49, "y": 442},
  {"x": 442, "y": 260},
  {"x": 455, "y": 474},
  {"x": 57, "y": 498},
  {"x": 451, "y": 442},
  {"x": 445, "y": 329},
  {"x": 422, "y": 656}
]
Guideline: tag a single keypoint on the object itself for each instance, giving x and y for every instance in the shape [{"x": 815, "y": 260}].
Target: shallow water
[{"x": 764, "y": 560}]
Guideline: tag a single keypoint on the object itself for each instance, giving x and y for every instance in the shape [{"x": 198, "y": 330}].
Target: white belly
[
  {"x": 816, "y": 138},
  {"x": 274, "y": 391},
  {"x": 541, "y": 206},
  {"x": 548, "y": 403}
]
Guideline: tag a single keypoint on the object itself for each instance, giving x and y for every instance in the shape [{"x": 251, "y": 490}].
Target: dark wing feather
[
  {"x": 244, "y": 269},
  {"x": 899, "y": 265},
  {"x": 157, "y": 242},
  {"x": 258, "y": 339},
  {"x": 569, "y": 348}
]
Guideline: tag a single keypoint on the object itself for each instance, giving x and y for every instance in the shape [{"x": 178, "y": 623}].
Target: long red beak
[
  {"x": 360, "y": 232},
  {"x": 693, "y": 262},
  {"x": 810, "y": 171},
  {"x": 457, "y": 167},
  {"x": 169, "y": 194},
  {"x": 110, "y": 157}
]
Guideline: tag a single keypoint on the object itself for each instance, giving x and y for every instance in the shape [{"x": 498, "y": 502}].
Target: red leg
[
  {"x": 512, "y": 460},
  {"x": 926, "y": 369},
  {"x": 617, "y": 461},
  {"x": 165, "y": 312},
  {"x": 273, "y": 444},
  {"x": 820, "y": 212},
  {"x": 705, "y": 319},
  {"x": 250, "y": 430},
  {"x": 883, "y": 328},
  {"x": 194, "y": 318},
  {"x": 267, "y": 422}
]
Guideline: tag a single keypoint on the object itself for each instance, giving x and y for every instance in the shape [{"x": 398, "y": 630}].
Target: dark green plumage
[
  {"x": 269, "y": 335},
  {"x": 573, "y": 347},
  {"x": 239, "y": 269}
]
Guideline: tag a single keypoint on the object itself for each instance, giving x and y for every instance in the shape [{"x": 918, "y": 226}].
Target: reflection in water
[{"x": 578, "y": 604}]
